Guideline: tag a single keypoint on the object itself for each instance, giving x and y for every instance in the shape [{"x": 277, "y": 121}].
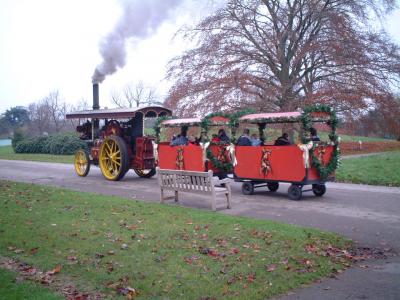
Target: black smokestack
[{"x": 96, "y": 103}]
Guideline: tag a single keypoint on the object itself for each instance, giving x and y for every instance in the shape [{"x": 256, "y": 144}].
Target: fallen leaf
[
  {"x": 33, "y": 251},
  {"x": 271, "y": 268},
  {"x": 56, "y": 270},
  {"x": 251, "y": 277},
  {"x": 235, "y": 250}
]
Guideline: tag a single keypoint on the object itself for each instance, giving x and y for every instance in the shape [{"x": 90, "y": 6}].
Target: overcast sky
[{"x": 48, "y": 45}]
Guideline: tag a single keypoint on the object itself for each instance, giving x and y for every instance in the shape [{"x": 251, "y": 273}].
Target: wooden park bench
[{"x": 193, "y": 182}]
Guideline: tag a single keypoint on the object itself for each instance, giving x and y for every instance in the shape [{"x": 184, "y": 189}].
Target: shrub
[
  {"x": 59, "y": 144},
  {"x": 18, "y": 137},
  {"x": 35, "y": 145}
]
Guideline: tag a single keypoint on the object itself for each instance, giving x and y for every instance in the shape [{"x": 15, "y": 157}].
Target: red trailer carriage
[
  {"x": 202, "y": 155},
  {"x": 119, "y": 143},
  {"x": 307, "y": 163}
]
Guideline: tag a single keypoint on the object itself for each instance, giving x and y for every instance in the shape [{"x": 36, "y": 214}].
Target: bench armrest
[{"x": 223, "y": 181}]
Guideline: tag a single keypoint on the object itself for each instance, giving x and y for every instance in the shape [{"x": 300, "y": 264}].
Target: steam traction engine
[{"x": 116, "y": 140}]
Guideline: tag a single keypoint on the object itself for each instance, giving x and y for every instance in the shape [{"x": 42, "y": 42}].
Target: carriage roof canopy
[
  {"x": 151, "y": 111},
  {"x": 182, "y": 122},
  {"x": 282, "y": 117}
]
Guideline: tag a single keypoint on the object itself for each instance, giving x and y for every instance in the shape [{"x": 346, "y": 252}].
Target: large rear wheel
[
  {"x": 82, "y": 163},
  {"x": 148, "y": 173},
  {"x": 113, "y": 158}
]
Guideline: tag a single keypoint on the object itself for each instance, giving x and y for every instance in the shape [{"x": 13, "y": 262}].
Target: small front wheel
[
  {"x": 319, "y": 189},
  {"x": 248, "y": 188},
  {"x": 273, "y": 186},
  {"x": 148, "y": 173},
  {"x": 82, "y": 163},
  {"x": 295, "y": 192}
]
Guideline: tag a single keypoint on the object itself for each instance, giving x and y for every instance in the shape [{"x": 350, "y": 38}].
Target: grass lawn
[
  {"x": 353, "y": 138},
  {"x": 162, "y": 251},
  {"x": 7, "y": 152},
  {"x": 380, "y": 169},
  {"x": 9, "y": 289}
]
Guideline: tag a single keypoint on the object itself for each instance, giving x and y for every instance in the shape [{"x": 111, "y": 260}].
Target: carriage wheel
[
  {"x": 319, "y": 189},
  {"x": 273, "y": 186},
  {"x": 82, "y": 163},
  {"x": 148, "y": 173},
  {"x": 113, "y": 158},
  {"x": 248, "y": 188},
  {"x": 295, "y": 192}
]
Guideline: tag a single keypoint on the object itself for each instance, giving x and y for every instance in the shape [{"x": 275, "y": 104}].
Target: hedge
[{"x": 59, "y": 144}]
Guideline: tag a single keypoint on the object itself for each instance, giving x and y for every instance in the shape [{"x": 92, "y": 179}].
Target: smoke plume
[{"x": 140, "y": 18}]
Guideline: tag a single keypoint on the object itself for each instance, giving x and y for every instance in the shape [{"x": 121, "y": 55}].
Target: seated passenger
[
  {"x": 193, "y": 140},
  {"x": 255, "y": 141},
  {"x": 223, "y": 137},
  {"x": 244, "y": 139},
  {"x": 181, "y": 139},
  {"x": 282, "y": 140},
  {"x": 313, "y": 135}
]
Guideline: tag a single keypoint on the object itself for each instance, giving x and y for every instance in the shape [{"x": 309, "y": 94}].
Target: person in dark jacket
[
  {"x": 244, "y": 139},
  {"x": 222, "y": 136},
  {"x": 282, "y": 140},
  {"x": 314, "y": 135},
  {"x": 181, "y": 139}
]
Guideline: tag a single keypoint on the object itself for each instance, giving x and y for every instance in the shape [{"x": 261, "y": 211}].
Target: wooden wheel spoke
[{"x": 112, "y": 160}]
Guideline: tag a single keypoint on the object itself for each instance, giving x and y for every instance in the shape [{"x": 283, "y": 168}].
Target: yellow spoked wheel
[
  {"x": 82, "y": 163},
  {"x": 113, "y": 158},
  {"x": 148, "y": 173}
]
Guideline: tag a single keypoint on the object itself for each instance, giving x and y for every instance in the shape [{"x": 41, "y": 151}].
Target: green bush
[
  {"x": 59, "y": 144},
  {"x": 18, "y": 137}
]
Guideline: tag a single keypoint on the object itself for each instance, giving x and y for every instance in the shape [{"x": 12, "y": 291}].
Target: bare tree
[
  {"x": 48, "y": 114},
  {"x": 57, "y": 110},
  {"x": 279, "y": 55},
  {"x": 83, "y": 104},
  {"x": 40, "y": 118},
  {"x": 134, "y": 95}
]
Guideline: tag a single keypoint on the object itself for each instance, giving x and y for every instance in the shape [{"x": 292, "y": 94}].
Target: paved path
[{"x": 369, "y": 215}]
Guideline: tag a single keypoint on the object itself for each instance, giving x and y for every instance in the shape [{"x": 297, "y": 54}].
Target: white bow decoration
[
  {"x": 155, "y": 150},
  {"x": 231, "y": 149},
  {"x": 204, "y": 146},
  {"x": 306, "y": 154}
]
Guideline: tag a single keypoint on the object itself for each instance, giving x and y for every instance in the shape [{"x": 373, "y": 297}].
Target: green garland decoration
[
  {"x": 226, "y": 167},
  {"x": 233, "y": 123},
  {"x": 306, "y": 119},
  {"x": 157, "y": 125}
]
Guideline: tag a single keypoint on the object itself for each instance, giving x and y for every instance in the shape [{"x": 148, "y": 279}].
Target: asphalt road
[{"x": 368, "y": 215}]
